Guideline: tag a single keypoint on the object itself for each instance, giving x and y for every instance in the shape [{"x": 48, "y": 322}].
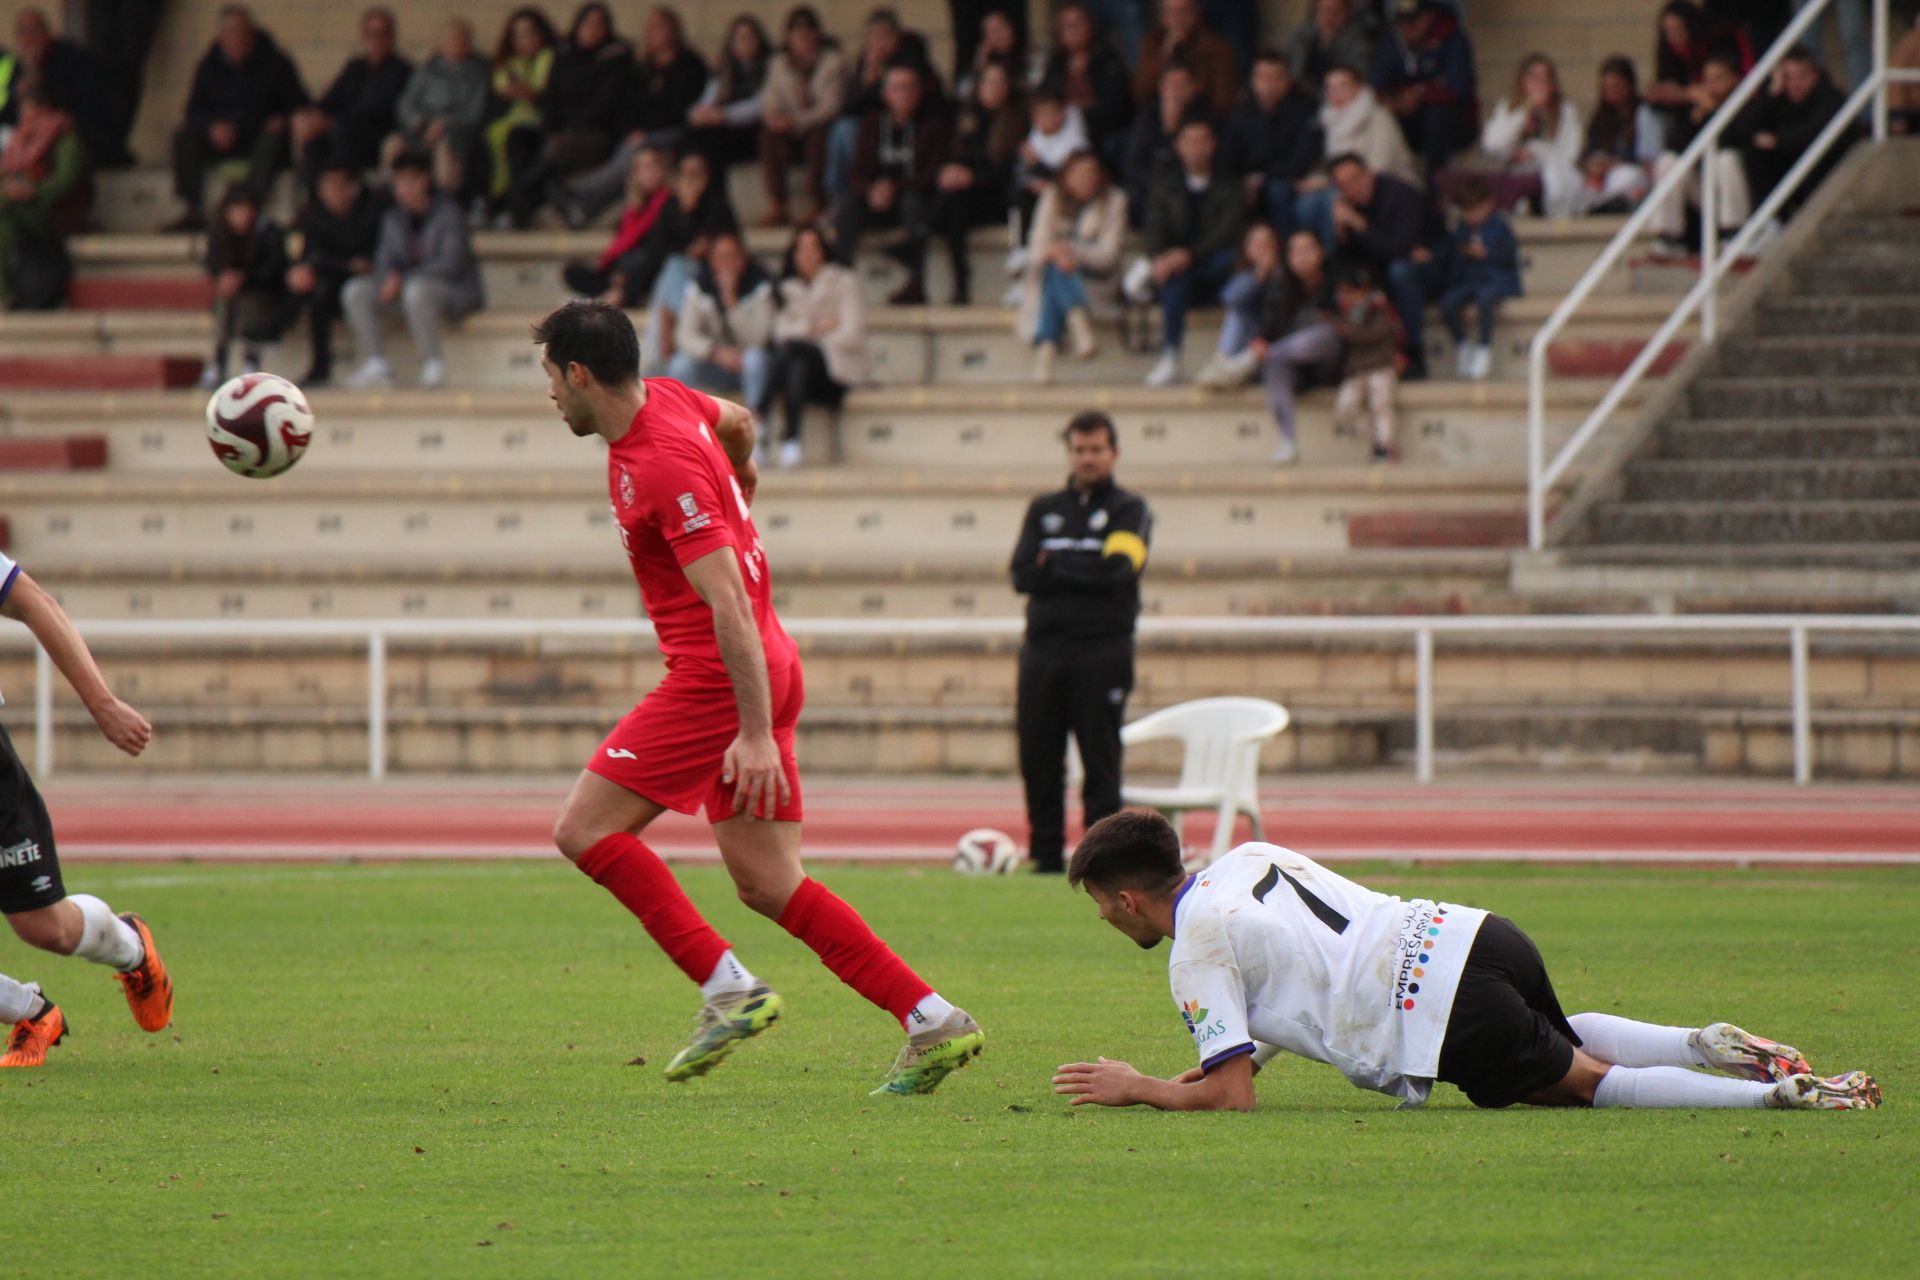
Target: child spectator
[
  {"x": 424, "y": 263},
  {"x": 1193, "y": 230},
  {"x": 522, "y": 67},
  {"x": 247, "y": 262},
  {"x": 1089, "y": 75},
  {"x": 726, "y": 323},
  {"x": 1247, "y": 298},
  {"x": 1534, "y": 139},
  {"x": 821, "y": 337},
  {"x": 1074, "y": 252},
  {"x": 805, "y": 89},
  {"x": 1624, "y": 139},
  {"x": 974, "y": 186},
  {"x": 1484, "y": 270},
  {"x": 626, "y": 270},
  {"x": 339, "y": 231},
  {"x": 1370, "y": 378},
  {"x": 442, "y": 109},
  {"x": 724, "y": 126},
  {"x": 1059, "y": 132}
]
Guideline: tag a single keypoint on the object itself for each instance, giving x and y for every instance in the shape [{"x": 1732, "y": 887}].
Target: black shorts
[
  {"x": 1506, "y": 1038},
  {"x": 29, "y": 868}
]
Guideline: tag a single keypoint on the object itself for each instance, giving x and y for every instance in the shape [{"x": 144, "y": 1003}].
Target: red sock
[
  {"x": 634, "y": 874},
  {"x": 848, "y": 947}
]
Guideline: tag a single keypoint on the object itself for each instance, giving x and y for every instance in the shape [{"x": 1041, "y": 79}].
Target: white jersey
[{"x": 1272, "y": 949}]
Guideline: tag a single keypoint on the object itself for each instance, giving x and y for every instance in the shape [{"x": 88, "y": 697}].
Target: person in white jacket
[
  {"x": 820, "y": 335},
  {"x": 1354, "y": 123},
  {"x": 726, "y": 323},
  {"x": 1536, "y": 130}
]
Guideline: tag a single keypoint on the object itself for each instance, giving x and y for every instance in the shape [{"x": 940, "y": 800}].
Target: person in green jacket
[
  {"x": 521, "y": 67},
  {"x": 41, "y": 173}
]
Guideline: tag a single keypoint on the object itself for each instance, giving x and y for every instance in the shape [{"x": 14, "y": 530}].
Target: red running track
[{"x": 917, "y": 821}]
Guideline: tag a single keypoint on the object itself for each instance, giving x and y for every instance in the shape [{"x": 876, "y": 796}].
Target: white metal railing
[
  {"x": 379, "y": 634},
  {"x": 1715, "y": 261}
]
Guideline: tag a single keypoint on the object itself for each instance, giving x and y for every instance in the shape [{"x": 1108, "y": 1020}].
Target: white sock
[
  {"x": 1656, "y": 1087},
  {"x": 18, "y": 1000},
  {"x": 728, "y": 977},
  {"x": 1627, "y": 1043},
  {"x": 105, "y": 938},
  {"x": 930, "y": 1012}
]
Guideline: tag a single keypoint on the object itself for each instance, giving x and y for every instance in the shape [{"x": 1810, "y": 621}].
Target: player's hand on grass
[
  {"x": 1106, "y": 1083},
  {"x": 752, "y": 769},
  {"x": 124, "y": 727}
]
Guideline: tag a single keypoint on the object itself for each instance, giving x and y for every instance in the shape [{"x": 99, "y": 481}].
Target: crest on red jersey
[
  {"x": 626, "y": 487},
  {"x": 688, "y": 506}
]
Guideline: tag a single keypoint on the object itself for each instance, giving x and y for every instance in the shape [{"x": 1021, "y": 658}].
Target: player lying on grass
[
  {"x": 719, "y": 730},
  {"x": 1273, "y": 952},
  {"x": 31, "y": 894}
]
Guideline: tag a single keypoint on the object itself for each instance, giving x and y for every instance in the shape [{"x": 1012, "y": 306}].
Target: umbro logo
[
  {"x": 42, "y": 883},
  {"x": 620, "y": 753}
]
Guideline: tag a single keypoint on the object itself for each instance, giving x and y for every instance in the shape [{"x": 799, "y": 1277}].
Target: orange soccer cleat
[
  {"x": 32, "y": 1037},
  {"x": 149, "y": 989}
]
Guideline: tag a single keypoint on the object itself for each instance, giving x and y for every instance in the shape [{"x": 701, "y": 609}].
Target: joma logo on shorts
[{"x": 19, "y": 855}]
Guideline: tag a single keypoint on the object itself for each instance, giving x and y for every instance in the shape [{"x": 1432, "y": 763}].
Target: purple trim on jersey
[
  {"x": 6, "y": 588},
  {"x": 1224, "y": 1054},
  {"x": 1190, "y": 882}
]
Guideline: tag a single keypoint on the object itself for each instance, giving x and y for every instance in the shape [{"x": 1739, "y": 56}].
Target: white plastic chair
[{"x": 1219, "y": 763}]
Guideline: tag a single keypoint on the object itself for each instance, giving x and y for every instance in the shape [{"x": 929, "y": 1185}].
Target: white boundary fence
[
  {"x": 1715, "y": 261},
  {"x": 380, "y": 635}
]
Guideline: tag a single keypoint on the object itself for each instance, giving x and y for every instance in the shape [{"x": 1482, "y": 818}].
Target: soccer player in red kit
[{"x": 718, "y": 731}]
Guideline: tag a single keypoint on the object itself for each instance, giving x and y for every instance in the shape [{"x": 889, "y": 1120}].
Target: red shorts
[{"x": 670, "y": 748}]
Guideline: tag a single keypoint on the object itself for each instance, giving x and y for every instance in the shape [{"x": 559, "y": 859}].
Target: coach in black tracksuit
[{"x": 1079, "y": 560}]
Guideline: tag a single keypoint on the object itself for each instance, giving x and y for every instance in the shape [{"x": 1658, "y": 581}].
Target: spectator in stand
[
  {"x": 1748, "y": 27},
  {"x": 1086, "y": 71},
  {"x": 976, "y": 183},
  {"x": 724, "y": 126},
  {"x": 1534, "y": 140},
  {"x": 987, "y": 31},
  {"x": 1150, "y": 149},
  {"x": 820, "y": 336},
  {"x": 339, "y": 233},
  {"x": 1733, "y": 199},
  {"x": 1370, "y": 378},
  {"x": 43, "y": 200},
  {"x": 805, "y": 90},
  {"x": 1855, "y": 18},
  {"x": 1388, "y": 226},
  {"x": 522, "y": 69},
  {"x": 1782, "y": 124},
  {"x": 1071, "y": 263},
  {"x": 443, "y": 108},
  {"x": 697, "y": 212},
  {"x": 1333, "y": 36},
  {"x": 1246, "y": 299},
  {"x": 424, "y": 263},
  {"x": 582, "y": 113},
  {"x": 667, "y": 78},
  {"x": 244, "y": 92},
  {"x": 1298, "y": 346},
  {"x": 1274, "y": 139},
  {"x": 896, "y": 165},
  {"x": 888, "y": 45},
  {"x": 71, "y": 77},
  {"x": 1424, "y": 72},
  {"x": 1194, "y": 217},
  {"x": 246, "y": 259},
  {"x": 726, "y": 324},
  {"x": 1903, "y": 100},
  {"x": 1352, "y": 122},
  {"x": 1126, "y": 20},
  {"x": 1679, "y": 61},
  {"x": 1058, "y": 134},
  {"x": 359, "y": 108},
  {"x": 1183, "y": 38},
  {"x": 1483, "y": 272},
  {"x": 1624, "y": 139},
  {"x": 625, "y": 271}
]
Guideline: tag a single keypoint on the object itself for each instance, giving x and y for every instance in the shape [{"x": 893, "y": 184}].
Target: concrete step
[
  {"x": 1883, "y": 356},
  {"x": 1858, "y": 274},
  {"x": 94, "y": 372},
  {"x": 54, "y": 453},
  {"x": 1793, "y": 317},
  {"x": 1799, "y": 397},
  {"x": 1738, "y": 555},
  {"x": 1694, "y": 523},
  {"x": 1836, "y": 438},
  {"x": 1772, "y": 480},
  {"x": 1733, "y": 579},
  {"x": 1849, "y": 229}
]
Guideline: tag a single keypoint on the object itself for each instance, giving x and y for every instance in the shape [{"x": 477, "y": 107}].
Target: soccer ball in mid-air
[
  {"x": 986, "y": 852},
  {"x": 259, "y": 425}
]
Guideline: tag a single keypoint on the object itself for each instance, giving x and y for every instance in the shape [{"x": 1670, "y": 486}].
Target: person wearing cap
[{"x": 1424, "y": 71}]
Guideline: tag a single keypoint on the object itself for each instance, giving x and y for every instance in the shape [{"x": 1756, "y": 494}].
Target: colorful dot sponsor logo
[{"x": 1418, "y": 942}]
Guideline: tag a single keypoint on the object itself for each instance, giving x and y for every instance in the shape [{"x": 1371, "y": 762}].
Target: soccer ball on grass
[{"x": 986, "y": 852}]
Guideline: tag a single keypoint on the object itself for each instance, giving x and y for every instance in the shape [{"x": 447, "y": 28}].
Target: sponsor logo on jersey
[
  {"x": 696, "y": 519},
  {"x": 19, "y": 855},
  {"x": 1052, "y": 521},
  {"x": 42, "y": 883},
  {"x": 620, "y": 753},
  {"x": 689, "y": 507},
  {"x": 1419, "y": 939},
  {"x": 1197, "y": 1024},
  {"x": 627, "y": 493},
  {"x": 1097, "y": 521}
]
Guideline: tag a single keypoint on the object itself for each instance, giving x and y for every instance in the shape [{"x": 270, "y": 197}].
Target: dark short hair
[
  {"x": 1802, "y": 54},
  {"x": 1472, "y": 192},
  {"x": 411, "y": 161},
  {"x": 1275, "y": 56},
  {"x": 337, "y": 163},
  {"x": 1727, "y": 61},
  {"x": 598, "y": 336},
  {"x": 1197, "y": 122},
  {"x": 1089, "y": 422},
  {"x": 1132, "y": 849},
  {"x": 1346, "y": 157}
]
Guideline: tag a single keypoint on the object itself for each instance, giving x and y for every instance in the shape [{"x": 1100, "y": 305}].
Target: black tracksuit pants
[{"x": 1078, "y": 687}]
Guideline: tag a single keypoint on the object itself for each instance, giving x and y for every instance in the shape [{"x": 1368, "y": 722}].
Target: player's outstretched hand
[
  {"x": 124, "y": 727},
  {"x": 1106, "y": 1083},
  {"x": 752, "y": 769}
]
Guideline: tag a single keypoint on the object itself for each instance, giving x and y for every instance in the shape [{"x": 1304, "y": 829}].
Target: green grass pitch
[{"x": 424, "y": 1070}]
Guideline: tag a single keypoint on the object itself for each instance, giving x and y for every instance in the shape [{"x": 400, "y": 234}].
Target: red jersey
[{"x": 675, "y": 498}]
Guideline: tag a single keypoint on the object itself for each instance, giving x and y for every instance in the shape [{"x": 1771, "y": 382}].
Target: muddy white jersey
[{"x": 1272, "y": 949}]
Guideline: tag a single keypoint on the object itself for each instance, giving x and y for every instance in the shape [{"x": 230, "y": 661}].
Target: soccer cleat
[
  {"x": 149, "y": 989},
  {"x": 932, "y": 1055},
  {"x": 723, "y": 1023},
  {"x": 32, "y": 1037},
  {"x": 1727, "y": 1048},
  {"x": 1854, "y": 1091}
]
